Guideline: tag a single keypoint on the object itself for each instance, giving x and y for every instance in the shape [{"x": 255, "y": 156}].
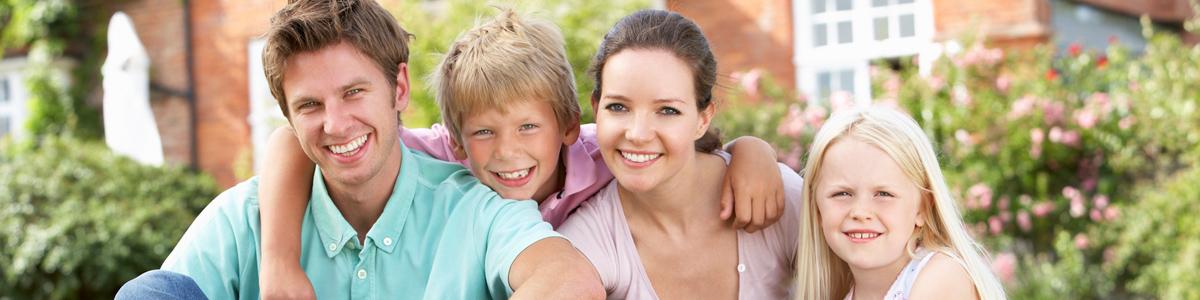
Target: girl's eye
[
  {"x": 669, "y": 111},
  {"x": 884, "y": 194},
  {"x": 841, "y": 194},
  {"x": 616, "y": 107},
  {"x": 528, "y": 126}
]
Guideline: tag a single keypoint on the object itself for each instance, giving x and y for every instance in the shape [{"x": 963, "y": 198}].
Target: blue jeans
[{"x": 159, "y": 284}]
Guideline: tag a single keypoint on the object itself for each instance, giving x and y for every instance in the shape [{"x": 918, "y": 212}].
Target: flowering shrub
[{"x": 1053, "y": 157}]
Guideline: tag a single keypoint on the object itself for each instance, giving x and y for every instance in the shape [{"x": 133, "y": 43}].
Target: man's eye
[
  {"x": 354, "y": 91},
  {"x": 308, "y": 104},
  {"x": 616, "y": 107}
]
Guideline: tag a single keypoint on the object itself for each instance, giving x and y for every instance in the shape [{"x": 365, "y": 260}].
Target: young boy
[{"x": 508, "y": 102}]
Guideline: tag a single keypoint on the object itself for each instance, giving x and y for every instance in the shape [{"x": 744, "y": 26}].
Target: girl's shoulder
[{"x": 944, "y": 276}]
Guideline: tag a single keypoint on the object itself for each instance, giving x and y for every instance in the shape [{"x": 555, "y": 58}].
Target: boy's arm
[
  {"x": 284, "y": 189},
  {"x": 552, "y": 269},
  {"x": 753, "y": 198}
]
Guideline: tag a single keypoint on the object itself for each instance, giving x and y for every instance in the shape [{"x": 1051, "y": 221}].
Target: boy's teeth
[
  {"x": 351, "y": 146},
  {"x": 640, "y": 158},
  {"x": 514, "y": 175}
]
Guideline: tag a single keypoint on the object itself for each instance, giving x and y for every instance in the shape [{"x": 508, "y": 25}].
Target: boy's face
[
  {"x": 516, "y": 153},
  {"x": 343, "y": 110}
]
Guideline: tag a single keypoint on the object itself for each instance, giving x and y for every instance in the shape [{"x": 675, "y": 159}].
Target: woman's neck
[{"x": 689, "y": 198}]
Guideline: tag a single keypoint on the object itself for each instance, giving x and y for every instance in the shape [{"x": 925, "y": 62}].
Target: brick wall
[
  {"x": 746, "y": 34},
  {"x": 1007, "y": 23}
]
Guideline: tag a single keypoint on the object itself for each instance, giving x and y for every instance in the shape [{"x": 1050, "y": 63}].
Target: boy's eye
[
  {"x": 668, "y": 111},
  {"x": 482, "y": 132},
  {"x": 528, "y": 126},
  {"x": 616, "y": 107}
]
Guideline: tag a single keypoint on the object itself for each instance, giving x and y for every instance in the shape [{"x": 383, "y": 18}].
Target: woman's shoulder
[
  {"x": 595, "y": 218},
  {"x": 944, "y": 276}
]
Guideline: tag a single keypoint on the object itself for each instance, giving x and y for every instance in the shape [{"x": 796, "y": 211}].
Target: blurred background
[{"x": 1068, "y": 129}]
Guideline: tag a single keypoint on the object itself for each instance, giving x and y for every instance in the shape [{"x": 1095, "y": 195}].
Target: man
[{"x": 383, "y": 221}]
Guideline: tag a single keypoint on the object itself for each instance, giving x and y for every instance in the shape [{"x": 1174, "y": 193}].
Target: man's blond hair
[{"x": 507, "y": 59}]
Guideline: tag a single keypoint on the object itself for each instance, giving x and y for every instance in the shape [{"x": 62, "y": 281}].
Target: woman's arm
[{"x": 283, "y": 191}]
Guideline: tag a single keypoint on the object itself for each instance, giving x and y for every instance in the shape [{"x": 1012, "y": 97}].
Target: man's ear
[
  {"x": 402, "y": 88},
  {"x": 571, "y": 132},
  {"x": 460, "y": 153}
]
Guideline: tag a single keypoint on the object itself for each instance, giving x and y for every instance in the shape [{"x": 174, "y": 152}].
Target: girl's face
[
  {"x": 646, "y": 117},
  {"x": 868, "y": 208}
]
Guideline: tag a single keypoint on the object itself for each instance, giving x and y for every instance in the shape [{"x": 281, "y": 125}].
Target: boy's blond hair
[
  {"x": 507, "y": 59},
  {"x": 824, "y": 275}
]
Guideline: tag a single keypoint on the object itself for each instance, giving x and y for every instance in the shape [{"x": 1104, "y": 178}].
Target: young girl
[{"x": 879, "y": 221}]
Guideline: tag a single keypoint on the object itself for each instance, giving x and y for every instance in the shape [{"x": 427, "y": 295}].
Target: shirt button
[
  {"x": 387, "y": 241},
  {"x": 332, "y": 247},
  {"x": 362, "y": 274},
  {"x": 741, "y": 268}
]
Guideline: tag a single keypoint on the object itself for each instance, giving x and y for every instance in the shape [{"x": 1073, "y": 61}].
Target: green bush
[{"x": 77, "y": 221}]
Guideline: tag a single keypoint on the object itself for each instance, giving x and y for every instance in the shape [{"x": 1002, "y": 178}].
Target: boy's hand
[
  {"x": 752, "y": 191},
  {"x": 284, "y": 282}
]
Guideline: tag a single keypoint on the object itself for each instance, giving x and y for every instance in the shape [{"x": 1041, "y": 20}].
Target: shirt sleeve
[
  {"x": 591, "y": 231},
  {"x": 508, "y": 228},
  {"x": 435, "y": 141},
  {"x": 209, "y": 250}
]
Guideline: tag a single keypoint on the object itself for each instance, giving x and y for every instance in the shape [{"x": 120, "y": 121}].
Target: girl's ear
[{"x": 923, "y": 208}]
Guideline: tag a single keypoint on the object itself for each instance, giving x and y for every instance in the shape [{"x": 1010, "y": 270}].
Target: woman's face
[{"x": 646, "y": 117}]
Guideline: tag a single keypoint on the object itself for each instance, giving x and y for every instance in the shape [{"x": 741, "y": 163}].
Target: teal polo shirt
[{"x": 442, "y": 235}]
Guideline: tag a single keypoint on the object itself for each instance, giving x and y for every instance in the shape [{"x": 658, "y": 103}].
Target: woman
[{"x": 651, "y": 234}]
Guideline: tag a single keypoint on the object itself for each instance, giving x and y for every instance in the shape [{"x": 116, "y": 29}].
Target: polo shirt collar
[{"x": 335, "y": 232}]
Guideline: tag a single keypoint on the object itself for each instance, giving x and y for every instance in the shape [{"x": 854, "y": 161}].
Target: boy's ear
[
  {"x": 460, "y": 153},
  {"x": 402, "y": 88},
  {"x": 571, "y": 132}
]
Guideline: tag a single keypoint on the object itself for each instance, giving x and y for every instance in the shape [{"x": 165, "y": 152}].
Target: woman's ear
[{"x": 706, "y": 116}]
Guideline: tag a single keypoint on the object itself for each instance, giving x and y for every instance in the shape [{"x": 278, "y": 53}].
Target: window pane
[
  {"x": 844, "y": 32},
  {"x": 906, "y": 1},
  {"x": 818, "y": 6},
  {"x": 4, "y": 126},
  {"x": 846, "y": 80},
  {"x": 878, "y": 3},
  {"x": 4, "y": 93},
  {"x": 843, "y": 4},
  {"x": 881, "y": 28},
  {"x": 824, "y": 84},
  {"x": 819, "y": 35},
  {"x": 908, "y": 27}
]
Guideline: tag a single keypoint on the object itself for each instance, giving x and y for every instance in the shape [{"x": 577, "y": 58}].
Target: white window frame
[
  {"x": 856, "y": 55},
  {"x": 265, "y": 115},
  {"x": 12, "y": 70}
]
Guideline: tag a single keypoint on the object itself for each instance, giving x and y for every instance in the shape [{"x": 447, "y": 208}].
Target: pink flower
[
  {"x": 749, "y": 82},
  {"x": 1100, "y": 201},
  {"x": 1081, "y": 241},
  {"x": 1036, "y": 135},
  {"x": 841, "y": 100},
  {"x": 815, "y": 116},
  {"x": 1056, "y": 134},
  {"x": 1052, "y": 112},
  {"x": 1077, "y": 207},
  {"x": 1126, "y": 122},
  {"x": 961, "y": 96},
  {"x": 1096, "y": 215},
  {"x": 1003, "y": 204},
  {"x": 1100, "y": 100},
  {"x": 1022, "y": 107},
  {"x": 1071, "y": 138},
  {"x": 982, "y": 193},
  {"x": 1005, "y": 265},
  {"x": 792, "y": 124},
  {"x": 1043, "y": 208},
  {"x": 963, "y": 137},
  {"x": 1111, "y": 213},
  {"x": 1003, "y": 82},
  {"x": 1085, "y": 118},
  {"x": 995, "y": 225},
  {"x": 936, "y": 83},
  {"x": 1023, "y": 221}
]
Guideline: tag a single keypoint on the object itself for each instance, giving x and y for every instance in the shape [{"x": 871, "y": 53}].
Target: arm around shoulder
[
  {"x": 552, "y": 269},
  {"x": 944, "y": 278}
]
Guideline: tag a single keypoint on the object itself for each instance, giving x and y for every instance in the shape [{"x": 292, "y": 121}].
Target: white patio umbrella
[{"x": 129, "y": 126}]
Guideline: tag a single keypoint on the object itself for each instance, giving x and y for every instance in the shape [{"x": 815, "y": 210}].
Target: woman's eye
[
  {"x": 669, "y": 111},
  {"x": 616, "y": 107}
]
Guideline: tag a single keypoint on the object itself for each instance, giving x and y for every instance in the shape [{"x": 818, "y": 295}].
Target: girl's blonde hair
[{"x": 821, "y": 273}]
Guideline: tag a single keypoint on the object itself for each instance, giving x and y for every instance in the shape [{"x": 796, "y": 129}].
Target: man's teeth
[
  {"x": 351, "y": 146},
  {"x": 514, "y": 175},
  {"x": 864, "y": 235},
  {"x": 639, "y": 158}
]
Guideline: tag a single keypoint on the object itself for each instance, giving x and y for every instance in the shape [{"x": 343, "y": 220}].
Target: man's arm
[
  {"x": 552, "y": 269},
  {"x": 752, "y": 197},
  {"x": 216, "y": 246}
]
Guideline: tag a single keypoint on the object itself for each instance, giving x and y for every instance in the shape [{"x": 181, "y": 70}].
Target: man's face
[{"x": 344, "y": 112}]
